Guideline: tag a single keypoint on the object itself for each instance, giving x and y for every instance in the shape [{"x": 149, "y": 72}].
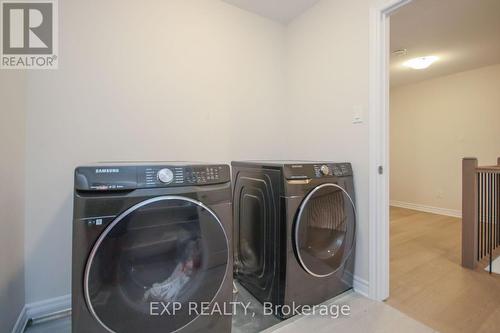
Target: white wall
[
  {"x": 434, "y": 124},
  {"x": 327, "y": 79},
  {"x": 149, "y": 80},
  {"x": 12, "y": 163}
]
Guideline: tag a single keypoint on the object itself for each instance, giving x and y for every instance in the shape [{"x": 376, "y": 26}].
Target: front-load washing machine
[
  {"x": 294, "y": 231},
  {"x": 151, "y": 247}
]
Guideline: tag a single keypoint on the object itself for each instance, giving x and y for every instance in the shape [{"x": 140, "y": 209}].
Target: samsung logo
[{"x": 107, "y": 170}]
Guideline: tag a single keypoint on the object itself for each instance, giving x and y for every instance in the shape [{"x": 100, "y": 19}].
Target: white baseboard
[
  {"x": 49, "y": 306},
  {"x": 21, "y": 322},
  {"x": 427, "y": 209},
  {"x": 41, "y": 309},
  {"x": 361, "y": 286}
]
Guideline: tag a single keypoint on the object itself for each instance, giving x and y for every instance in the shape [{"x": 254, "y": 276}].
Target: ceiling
[
  {"x": 282, "y": 11},
  {"x": 464, "y": 34}
]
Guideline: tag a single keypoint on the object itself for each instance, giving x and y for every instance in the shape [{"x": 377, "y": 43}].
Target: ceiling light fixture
[
  {"x": 400, "y": 52},
  {"x": 420, "y": 63}
]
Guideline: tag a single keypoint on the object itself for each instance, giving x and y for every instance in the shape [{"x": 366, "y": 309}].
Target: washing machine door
[
  {"x": 153, "y": 262},
  {"x": 325, "y": 227}
]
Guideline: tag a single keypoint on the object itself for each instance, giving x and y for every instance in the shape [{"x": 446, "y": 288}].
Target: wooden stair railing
[{"x": 480, "y": 211}]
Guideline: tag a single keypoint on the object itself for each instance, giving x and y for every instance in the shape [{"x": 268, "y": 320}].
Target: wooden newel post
[{"x": 469, "y": 212}]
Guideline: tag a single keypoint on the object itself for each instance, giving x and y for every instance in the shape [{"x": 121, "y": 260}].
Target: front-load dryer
[
  {"x": 294, "y": 231},
  {"x": 151, "y": 245}
]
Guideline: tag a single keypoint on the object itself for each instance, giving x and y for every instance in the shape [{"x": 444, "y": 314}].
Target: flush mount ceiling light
[
  {"x": 400, "y": 52},
  {"x": 420, "y": 63}
]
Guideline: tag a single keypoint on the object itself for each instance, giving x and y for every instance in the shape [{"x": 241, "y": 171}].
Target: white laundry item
[{"x": 168, "y": 290}]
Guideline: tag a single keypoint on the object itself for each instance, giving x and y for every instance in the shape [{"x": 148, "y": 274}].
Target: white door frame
[{"x": 379, "y": 148}]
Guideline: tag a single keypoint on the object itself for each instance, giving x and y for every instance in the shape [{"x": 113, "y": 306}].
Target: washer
[
  {"x": 149, "y": 239},
  {"x": 294, "y": 231}
]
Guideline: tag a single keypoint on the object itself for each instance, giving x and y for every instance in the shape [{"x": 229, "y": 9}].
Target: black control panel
[
  {"x": 128, "y": 177},
  {"x": 336, "y": 169},
  {"x": 321, "y": 170},
  {"x": 183, "y": 175}
]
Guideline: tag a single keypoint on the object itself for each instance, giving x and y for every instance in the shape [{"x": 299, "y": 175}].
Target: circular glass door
[
  {"x": 152, "y": 261},
  {"x": 325, "y": 228}
]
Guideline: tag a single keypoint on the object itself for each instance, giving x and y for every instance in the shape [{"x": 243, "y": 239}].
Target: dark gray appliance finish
[
  {"x": 294, "y": 230},
  {"x": 148, "y": 234}
]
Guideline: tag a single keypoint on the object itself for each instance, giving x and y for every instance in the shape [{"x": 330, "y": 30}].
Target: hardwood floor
[{"x": 429, "y": 284}]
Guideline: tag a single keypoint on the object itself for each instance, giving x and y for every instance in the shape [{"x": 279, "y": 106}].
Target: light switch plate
[
  {"x": 357, "y": 120},
  {"x": 357, "y": 114}
]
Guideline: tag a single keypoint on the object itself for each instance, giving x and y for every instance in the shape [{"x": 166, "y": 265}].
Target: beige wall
[
  {"x": 434, "y": 124},
  {"x": 12, "y": 164},
  {"x": 327, "y": 80},
  {"x": 155, "y": 80}
]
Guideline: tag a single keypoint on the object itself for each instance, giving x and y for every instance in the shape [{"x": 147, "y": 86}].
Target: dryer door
[
  {"x": 152, "y": 262},
  {"x": 324, "y": 234}
]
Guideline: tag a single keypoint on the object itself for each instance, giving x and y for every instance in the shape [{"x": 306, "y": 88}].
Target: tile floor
[{"x": 366, "y": 316}]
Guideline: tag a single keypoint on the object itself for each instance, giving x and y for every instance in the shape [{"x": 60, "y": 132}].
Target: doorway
[{"x": 440, "y": 126}]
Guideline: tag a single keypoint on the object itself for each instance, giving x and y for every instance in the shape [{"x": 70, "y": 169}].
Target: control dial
[
  {"x": 325, "y": 170},
  {"x": 165, "y": 176}
]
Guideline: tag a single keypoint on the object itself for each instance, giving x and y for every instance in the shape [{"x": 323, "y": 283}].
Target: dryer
[
  {"x": 148, "y": 240},
  {"x": 294, "y": 230}
]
